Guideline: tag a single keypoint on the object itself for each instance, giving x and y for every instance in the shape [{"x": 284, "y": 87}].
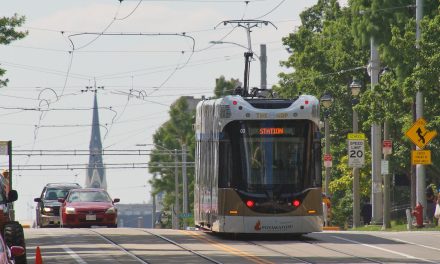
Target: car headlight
[
  {"x": 70, "y": 210},
  {"x": 47, "y": 209},
  {"x": 111, "y": 210}
]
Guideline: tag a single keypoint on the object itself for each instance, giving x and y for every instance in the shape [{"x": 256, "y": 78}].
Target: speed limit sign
[{"x": 356, "y": 153}]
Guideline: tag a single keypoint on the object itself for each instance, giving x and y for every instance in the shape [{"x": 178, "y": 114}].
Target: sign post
[{"x": 420, "y": 136}]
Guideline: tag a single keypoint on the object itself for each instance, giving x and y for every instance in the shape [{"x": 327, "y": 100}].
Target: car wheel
[
  {"x": 41, "y": 223},
  {"x": 14, "y": 236}
]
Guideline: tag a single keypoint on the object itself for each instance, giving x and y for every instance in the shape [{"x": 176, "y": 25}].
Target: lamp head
[
  {"x": 355, "y": 87},
  {"x": 326, "y": 100}
]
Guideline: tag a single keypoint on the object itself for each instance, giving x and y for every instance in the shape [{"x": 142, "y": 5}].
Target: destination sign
[{"x": 271, "y": 131}]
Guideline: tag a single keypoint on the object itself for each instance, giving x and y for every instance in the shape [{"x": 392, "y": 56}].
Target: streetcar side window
[{"x": 225, "y": 163}]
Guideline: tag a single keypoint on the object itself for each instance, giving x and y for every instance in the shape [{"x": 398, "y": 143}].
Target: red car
[
  {"x": 7, "y": 255},
  {"x": 88, "y": 207}
]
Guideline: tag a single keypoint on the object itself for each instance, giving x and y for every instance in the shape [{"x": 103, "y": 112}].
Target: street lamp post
[
  {"x": 355, "y": 87},
  {"x": 326, "y": 101},
  {"x": 176, "y": 193}
]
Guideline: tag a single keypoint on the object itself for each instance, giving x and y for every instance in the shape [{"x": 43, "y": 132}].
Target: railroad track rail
[
  {"x": 316, "y": 244},
  {"x": 145, "y": 260}
]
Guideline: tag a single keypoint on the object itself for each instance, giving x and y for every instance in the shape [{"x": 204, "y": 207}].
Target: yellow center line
[{"x": 229, "y": 249}]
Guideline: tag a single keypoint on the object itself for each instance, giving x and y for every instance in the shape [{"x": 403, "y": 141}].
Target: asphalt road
[{"x": 126, "y": 245}]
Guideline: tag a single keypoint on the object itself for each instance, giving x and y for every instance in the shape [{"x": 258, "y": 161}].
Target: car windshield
[
  {"x": 54, "y": 194},
  {"x": 89, "y": 197}
]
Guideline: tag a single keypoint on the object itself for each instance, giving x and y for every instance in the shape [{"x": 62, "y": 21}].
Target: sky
[{"x": 141, "y": 56}]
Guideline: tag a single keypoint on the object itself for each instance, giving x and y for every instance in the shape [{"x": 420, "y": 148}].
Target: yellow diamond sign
[{"x": 419, "y": 135}]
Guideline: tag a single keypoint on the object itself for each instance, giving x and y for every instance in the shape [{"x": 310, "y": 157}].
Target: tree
[
  {"x": 172, "y": 135},
  {"x": 8, "y": 33},
  {"x": 224, "y": 87},
  {"x": 331, "y": 47},
  {"x": 326, "y": 57}
]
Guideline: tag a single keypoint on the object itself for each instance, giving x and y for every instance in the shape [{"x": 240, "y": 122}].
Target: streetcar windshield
[{"x": 268, "y": 154}]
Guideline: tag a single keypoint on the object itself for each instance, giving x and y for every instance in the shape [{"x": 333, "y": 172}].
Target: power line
[
  {"x": 79, "y": 152},
  {"x": 202, "y": 1},
  {"x": 84, "y": 166},
  {"x": 97, "y": 35},
  {"x": 132, "y": 11},
  {"x": 273, "y": 9},
  {"x": 183, "y": 35},
  {"x": 44, "y": 70}
]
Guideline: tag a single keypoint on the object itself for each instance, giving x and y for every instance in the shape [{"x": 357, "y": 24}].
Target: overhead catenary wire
[
  {"x": 202, "y": 1},
  {"x": 97, "y": 36},
  {"x": 45, "y": 70},
  {"x": 106, "y": 166},
  {"x": 80, "y": 152},
  {"x": 178, "y": 65},
  {"x": 272, "y": 10}
]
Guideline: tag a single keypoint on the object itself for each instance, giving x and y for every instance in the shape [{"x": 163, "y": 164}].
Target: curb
[{"x": 331, "y": 228}]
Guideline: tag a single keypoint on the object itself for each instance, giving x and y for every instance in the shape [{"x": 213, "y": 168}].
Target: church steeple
[{"x": 96, "y": 173}]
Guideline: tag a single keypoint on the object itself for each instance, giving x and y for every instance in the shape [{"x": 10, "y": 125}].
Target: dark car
[
  {"x": 48, "y": 207},
  {"x": 88, "y": 207}
]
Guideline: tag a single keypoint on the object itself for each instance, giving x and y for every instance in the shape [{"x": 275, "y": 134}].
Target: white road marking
[
  {"x": 384, "y": 249},
  {"x": 411, "y": 243},
  {"x": 74, "y": 255}
]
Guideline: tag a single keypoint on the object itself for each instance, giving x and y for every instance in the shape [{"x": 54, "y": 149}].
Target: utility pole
[
  {"x": 185, "y": 185},
  {"x": 176, "y": 193},
  {"x": 248, "y": 24},
  {"x": 263, "y": 66},
  {"x": 420, "y": 169},
  {"x": 153, "y": 200},
  {"x": 12, "y": 210},
  {"x": 376, "y": 142},
  {"x": 413, "y": 168}
]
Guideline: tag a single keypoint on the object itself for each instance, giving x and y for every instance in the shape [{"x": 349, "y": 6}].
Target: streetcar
[{"x": 258, "y": 165}]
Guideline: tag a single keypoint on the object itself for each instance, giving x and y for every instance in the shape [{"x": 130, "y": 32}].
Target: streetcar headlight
[
  {"x": 111, "y": 210},
  {"x": 70, "y": 210}
]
